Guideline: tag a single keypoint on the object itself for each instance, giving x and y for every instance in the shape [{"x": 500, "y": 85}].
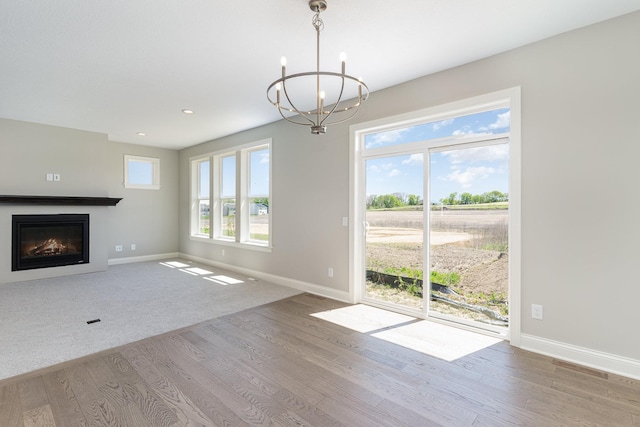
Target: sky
[
  {"x": 464, "y": 170},
  {"x": 259, "y": 172}
]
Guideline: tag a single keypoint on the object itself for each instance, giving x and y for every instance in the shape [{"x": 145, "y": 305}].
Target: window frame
[
  {"x": 510, "y": 98},
  {"x": 242, "y": 237},
  {"x": 199, "y": 197},
  {"x": 155, "y": 172},
  {"x": 246, "y": 198}
]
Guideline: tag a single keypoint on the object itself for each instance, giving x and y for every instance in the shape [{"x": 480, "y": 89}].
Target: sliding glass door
[
  {"x": 394, "y": 227},
  {"x": 434, "y": 209},
  {"x": 469, "y": 234}
]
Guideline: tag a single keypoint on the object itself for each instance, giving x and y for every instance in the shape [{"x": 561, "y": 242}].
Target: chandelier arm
[
  {"x": 336, "y": 103},
  {"x": 353, "y": 111},
  {"x": 286, "y": 95},
  {"x": 291, "y": 108},
  {"x": 355, "y": 107}
]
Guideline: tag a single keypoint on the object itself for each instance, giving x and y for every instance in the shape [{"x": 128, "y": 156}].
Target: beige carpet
[{"x": 44, "y": 322}]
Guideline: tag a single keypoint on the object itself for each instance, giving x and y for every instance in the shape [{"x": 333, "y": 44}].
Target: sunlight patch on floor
[
  {"x": 198, "y": 271},
  {"x": 363, "y": 318},
  {"x": 435, "y": 339},
  {"x": 224, "y": 280},
  {"x": 174, "y": 264},
  {"x": 441, "y": 341}
]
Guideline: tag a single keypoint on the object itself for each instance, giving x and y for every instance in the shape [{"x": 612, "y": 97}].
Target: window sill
[{"x": 242, "y": 245}]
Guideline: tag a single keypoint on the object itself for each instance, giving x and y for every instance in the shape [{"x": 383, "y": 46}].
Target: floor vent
[
  {"x": 582, "y": 369},
  {"x": 92, "y": 321}
]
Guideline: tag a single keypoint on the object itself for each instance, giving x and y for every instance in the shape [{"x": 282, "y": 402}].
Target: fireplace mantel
[{"x": 59, "y": 200}]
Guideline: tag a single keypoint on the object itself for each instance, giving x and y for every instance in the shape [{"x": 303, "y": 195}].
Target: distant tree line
[
  {"x": 394, "y": 200},
  {"x": 474, "y": 199}
]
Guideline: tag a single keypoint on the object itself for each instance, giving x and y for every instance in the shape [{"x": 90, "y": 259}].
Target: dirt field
[{"x": 395, "y": 239}]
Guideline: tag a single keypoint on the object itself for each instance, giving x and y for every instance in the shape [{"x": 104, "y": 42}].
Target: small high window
[{"x": 141, "y": 172}]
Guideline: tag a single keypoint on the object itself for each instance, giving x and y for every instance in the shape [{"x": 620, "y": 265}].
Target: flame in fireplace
[{"x": 49, "y": 247}]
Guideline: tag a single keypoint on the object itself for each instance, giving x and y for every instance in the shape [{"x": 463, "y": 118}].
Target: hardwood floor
[{"x": 277, "y": 365}]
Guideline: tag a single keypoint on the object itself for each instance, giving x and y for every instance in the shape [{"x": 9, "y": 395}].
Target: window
[
  {"x": 257, "y": 194},
  {"x": 239, "y": 184},
  {"x": 141, "y": 172},
  {"x": 227, "y": 203},
  {"x": 203, "y": 204}
]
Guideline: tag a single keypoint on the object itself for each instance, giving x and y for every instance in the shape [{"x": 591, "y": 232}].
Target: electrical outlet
[
  {"x": 118, "y": 248},
  {"x": 345, "y": 221},
  {"x": 536, "y": 311},
  {"x": 330, "y": 272},
  {"x": 222, "y": 252},
  {"x": 49, "y": 177},
  {"x": 133, "y": 246},
  {"x": 56, "y": 177}
]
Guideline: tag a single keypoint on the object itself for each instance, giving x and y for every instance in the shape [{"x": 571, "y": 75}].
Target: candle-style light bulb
[
  {"x": 278, "y": 92},
  {"x": 283, "y": 62},
  {"x": 343, "y": 60},
  {"x": 321, "y": 101}
]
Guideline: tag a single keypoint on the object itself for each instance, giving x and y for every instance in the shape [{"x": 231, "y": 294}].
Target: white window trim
[
  {"x": 242, "y": 237},
  {"x": 509, "y": 97},
  {"x": 155, "y": 164},
  {"x": 245, "y": 197}
]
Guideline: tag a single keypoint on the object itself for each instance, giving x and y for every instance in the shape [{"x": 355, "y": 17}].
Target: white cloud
[
  {"x": 378, "y": 168},
  {"x": 503, "y": 121},
  {"x": 385, "y": 138},
  {"x": 468, "y": 132},
  {"x": 491, "y": 153},
  {"x": 465, "y": 178},
  {"x": 387, "y": 166},
  {"x": 264, "y": 158},
  {"x": 395, "y": 172},
  {"x": 438, "y": 125},
  {"x": 414, "y": 159}
]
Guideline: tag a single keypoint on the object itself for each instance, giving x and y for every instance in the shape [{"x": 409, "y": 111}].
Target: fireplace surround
[{"x": 43, "y": 241}]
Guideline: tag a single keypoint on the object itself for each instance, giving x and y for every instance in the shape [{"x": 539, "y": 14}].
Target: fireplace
[{"x": 43, "y": 241}]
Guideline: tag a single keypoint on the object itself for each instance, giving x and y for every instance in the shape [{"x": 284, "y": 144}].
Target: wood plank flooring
[{"x": 278, "y": 365}]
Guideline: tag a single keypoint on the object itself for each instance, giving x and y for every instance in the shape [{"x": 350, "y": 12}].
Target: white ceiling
[{"x": 126, "y": 66}]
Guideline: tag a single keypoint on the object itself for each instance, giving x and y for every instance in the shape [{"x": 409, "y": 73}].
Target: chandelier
[{"x": 324, "y": 114}]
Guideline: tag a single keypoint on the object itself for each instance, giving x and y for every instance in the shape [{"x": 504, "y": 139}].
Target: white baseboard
[
  {"x": 155, "y": 257},
  {"x": 583, "y": 356},
  {"x": 278, "y": 280}
]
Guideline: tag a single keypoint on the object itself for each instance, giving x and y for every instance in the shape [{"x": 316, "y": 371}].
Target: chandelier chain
[{"x": 317, "y": 22}]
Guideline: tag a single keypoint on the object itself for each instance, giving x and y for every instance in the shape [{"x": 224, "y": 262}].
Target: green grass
[
  {"x": 447, "y": 279},
  {"x": 479, "y": 206}
]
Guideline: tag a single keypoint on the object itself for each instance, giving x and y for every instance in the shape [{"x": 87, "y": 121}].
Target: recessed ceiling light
[
  {"x": 187, "y": 111},
  {"x": 141, "y": 134}
]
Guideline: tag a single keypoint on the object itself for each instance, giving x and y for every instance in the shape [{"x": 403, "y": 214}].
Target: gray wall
[
  {"x": 89, "y": 165},
  {"x": 146, "y": 218},
  {"x": 579, "y": 152}
]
